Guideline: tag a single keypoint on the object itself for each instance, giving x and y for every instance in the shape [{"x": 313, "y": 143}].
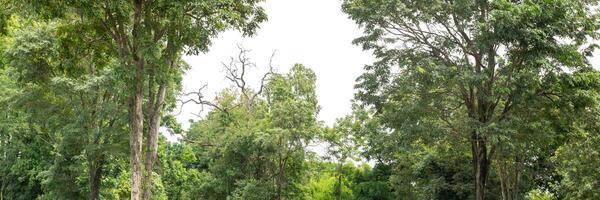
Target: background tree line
[{"x": 468, "y": 99}]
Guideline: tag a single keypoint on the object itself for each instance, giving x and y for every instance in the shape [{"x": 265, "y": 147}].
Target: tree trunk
[
  {"x": 481, "y": 165},
  {"x": 509, "y": 173},
  {"x": 135, "y": 136},
  {"x": 152, "y": 142},
  {"x": 2, "y": 183},
  {"x": 280, "y": 180},
  {"x": 339, "y": 183},
  {"x": 95, "y": 180}
]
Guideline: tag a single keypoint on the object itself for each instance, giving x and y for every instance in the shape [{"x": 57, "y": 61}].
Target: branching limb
[
  {"x": 199, "y": 99},
  {"x": 236, "y": 72}
]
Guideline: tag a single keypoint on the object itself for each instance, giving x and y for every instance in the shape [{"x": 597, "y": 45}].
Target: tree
[
  {"x": 25, "y": 144},
  {"x": 256, "y": 139},
  {"x": 19, "y": 163},
  {"x": 372, "y": 183},
  {"x": 72, "y": 92},
  {"x": 341, "y": 145},
  {"x": 148, "y": 37},
  {"x": 324, "y": 183},
  {"x": 469, "y": 70},
  {"x": 577, "y": 161}
]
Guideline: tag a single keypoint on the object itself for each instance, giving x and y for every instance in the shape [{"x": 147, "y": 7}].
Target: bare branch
[
  {"x": 235, "y": 71},
  {"x": 265, "y": 77},
  {"x": 198, "y": 100}
]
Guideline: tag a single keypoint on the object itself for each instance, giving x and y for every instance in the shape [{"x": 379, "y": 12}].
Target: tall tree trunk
[
  {"x": 509, "y": 173},
  {"x": 338, "y": 189},
  {"x": 95, "y": 174},
  {"x": 135, "y": 136},
  {"x": 2, "y": 183},
  {"x": 502, "y": 178},
  {"x": 481, "y": 165},
  {"x": 152, "y": 142},
  {"x": 136, "y": 115},
  {"x": 280, "y": 180}
]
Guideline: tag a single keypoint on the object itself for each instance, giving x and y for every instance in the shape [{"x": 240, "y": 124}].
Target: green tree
[
  {"x": 577, "y": 161},
  {"x": 255, "y": 140},
  {"x": 20, "y": 164},
  {"x": 342, "y": 145},
  {"x": 294, "y": 107},
  {"x": 148, "y": 37},
  {"x": 324, "y": 182},
  {"x": 473, "y": 71},
  {"x": 372, "y": 183},
  {"x": 69, "y": 90}
]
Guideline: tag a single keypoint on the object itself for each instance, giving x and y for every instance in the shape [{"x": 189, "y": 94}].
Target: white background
[{"x": 315, "y": 33}]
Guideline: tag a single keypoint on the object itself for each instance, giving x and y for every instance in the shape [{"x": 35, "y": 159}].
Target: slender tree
[{"x": 341, "y": 146}]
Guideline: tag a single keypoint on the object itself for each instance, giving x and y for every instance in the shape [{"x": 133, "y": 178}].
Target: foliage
[
  {"x": 505, "y": 78},
  {"x": 580, "y": 170},
  {"x": 64, "y": 98},
  {"x": 147, "y": 39},
  {"x": 467, "y": 99},
  {"x": 539, "y": 195},
  {"x": 257, "y": 143}
]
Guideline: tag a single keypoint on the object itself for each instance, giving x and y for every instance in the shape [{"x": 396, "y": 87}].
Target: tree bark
[
  {"x": 136, "y": 115},
  {"x": 280, "y": 180},
  {"x": 481, "y": 165},
  {"x": 2, "y": 183},
  {"x": 339, "y": 182},
  {"x": 509, "y": 173},
  {"x": 135, "y": 135},
  {"x": 95, "y": 180},
  {"x": 152, "y": 142}
]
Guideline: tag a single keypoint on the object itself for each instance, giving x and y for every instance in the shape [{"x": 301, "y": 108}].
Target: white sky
[{"x": 315, "y": 33}]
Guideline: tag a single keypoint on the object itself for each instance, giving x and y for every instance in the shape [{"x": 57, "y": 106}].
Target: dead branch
[
  {"x": 235, "y": 71},
  {"x": 199, "y": 99}
]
